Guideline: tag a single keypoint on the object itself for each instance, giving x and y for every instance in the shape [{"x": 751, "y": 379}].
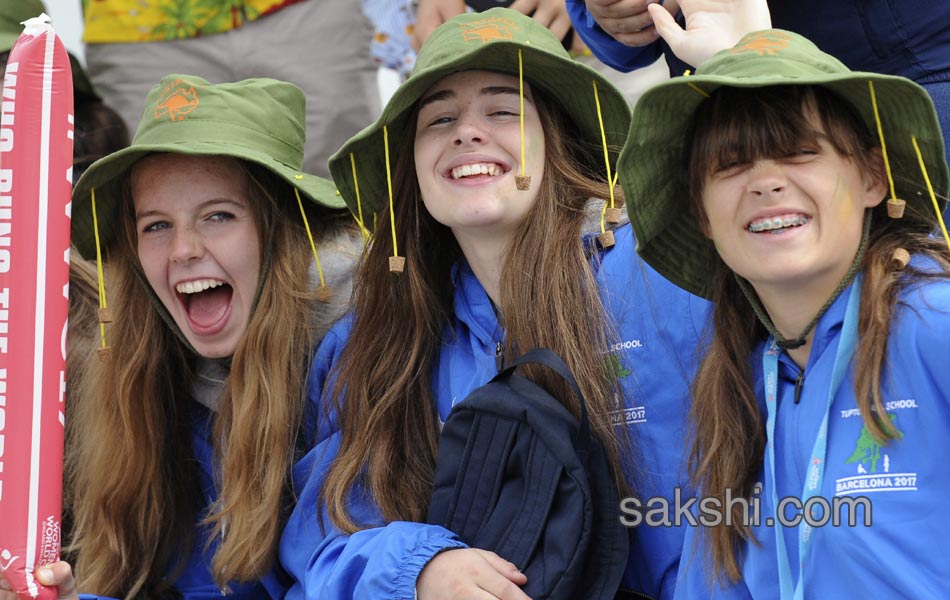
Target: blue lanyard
[{"x": 816, "y": 466}]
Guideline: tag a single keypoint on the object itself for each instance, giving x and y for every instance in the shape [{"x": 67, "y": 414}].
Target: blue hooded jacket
[
  {"x": 196, "y": 582},
  {"x": 903, "y": 553},
  {"x": 658, "y": 329}
]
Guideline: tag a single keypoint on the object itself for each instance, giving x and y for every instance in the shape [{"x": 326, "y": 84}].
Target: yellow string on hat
[
  {"x": 359, "y": 203},
  {"x": 933, "y": 196},
  {"x": 880, "y": 134},
  {"x": 99, "y": 275},
  {"x": 521, "y": 110},
  {"x": 313, "y": 246},
  {"x": 389, "y": 186},
  {"x": 603, "y": 140},
  {"x": 521, "y": 106},
  {"x": 686, "y": 73}
]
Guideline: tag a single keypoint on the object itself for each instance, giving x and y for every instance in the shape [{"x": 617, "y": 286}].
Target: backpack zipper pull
[{"x": 499, "y": 356}]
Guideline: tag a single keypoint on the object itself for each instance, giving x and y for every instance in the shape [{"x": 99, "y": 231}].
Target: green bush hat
[
  {"x": 488, "y": 41},
  {"x": 652, "y": 163},
  {"x": 258, "y": 120},
  {"x": 12, "y": 15}
]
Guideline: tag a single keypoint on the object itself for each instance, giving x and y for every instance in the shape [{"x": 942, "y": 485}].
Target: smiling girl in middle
[{"x": 491, "y": 271}]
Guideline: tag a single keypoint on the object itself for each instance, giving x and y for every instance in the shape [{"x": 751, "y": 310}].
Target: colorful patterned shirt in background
[
  {"x": 113, "y": 21},
  {"x": 129, "y": 21},
  {"x": 392, "y": 21}
]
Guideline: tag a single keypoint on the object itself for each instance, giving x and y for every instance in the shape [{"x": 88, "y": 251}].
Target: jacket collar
[
  {"x": 473, "y": 307},
  {"x": 825, "y": 332}
]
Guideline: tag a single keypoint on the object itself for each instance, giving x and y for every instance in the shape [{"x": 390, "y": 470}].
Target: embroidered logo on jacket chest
[{"x": 874, "y": 469}]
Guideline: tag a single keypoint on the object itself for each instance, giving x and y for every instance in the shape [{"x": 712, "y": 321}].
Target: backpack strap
[{"x": 551, "y": 360}]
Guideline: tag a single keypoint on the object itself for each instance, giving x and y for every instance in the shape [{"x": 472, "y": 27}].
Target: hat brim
[
  {"x": 568, "y": 82},
  {"x": 652, "y": 169},
  {"x": 106, "y": 175},
  {"x": 7, "y": 40}
]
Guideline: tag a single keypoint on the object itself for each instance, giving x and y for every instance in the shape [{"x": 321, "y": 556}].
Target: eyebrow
[{"x": 493, "y": 90}]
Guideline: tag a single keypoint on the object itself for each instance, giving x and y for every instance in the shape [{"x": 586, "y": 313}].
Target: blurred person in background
[{"x": 322, "y": 46}]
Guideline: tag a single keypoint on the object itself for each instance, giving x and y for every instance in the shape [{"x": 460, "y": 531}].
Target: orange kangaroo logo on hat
[
  {"x": 487, "y": 30},
  {"x": 766, "y": 42},
  {"x": 177, "y": 101}
]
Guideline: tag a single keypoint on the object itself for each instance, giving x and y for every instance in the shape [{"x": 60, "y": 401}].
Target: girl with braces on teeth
[{"x": 826, "y": 376}]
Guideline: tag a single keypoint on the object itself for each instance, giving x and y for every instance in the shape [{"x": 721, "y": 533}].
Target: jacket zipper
[
  {"x": 799, "y": 382},
  {"x": 499, "y": 356}
]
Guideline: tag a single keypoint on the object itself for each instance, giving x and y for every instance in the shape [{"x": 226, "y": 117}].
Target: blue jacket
[
  {"x": 896, "y": 37},
  {"x": 904, "y": 551},
  {"x": 658, "y": 327},
  {"x": 196, "y": 581}
]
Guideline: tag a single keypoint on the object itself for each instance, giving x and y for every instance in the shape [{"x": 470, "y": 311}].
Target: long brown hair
[
  {"x": 738, "y": 126},
  {"x": 130, "y": 467},
  {"x": 385, "y": 405}
]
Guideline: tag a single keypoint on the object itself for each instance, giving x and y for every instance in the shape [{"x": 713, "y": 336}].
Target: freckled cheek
[
  {"x": 155, "y": 276},
  {"x": 147, "y": 257}
]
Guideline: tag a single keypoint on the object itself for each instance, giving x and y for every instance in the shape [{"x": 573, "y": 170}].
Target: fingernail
[{"x": 44, "y": 575}]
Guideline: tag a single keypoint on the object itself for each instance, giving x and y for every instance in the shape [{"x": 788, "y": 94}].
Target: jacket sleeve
[
  {"x": 381, "y": 561},
  {"x": 929, "y": 327},
  {"x": 610, "y": 52}
]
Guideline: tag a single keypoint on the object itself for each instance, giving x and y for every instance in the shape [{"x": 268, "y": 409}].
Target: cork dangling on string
[
  {"x": 397, "y": 264},
  {"x": 900, "y": 259},
  {"x": 612, "y": 215},
  {"x": 105, "y": 316},
  {"x": 895, "y": 206},
  {"x": 523, "y": 181},
  {"x": 104, "y": 352},
  {"x": 324, "y": 294},
  {"x": 606, "y": 239}
]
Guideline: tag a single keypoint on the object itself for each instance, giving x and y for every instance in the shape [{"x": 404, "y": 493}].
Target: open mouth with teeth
[
  {"x": 475, "y": 169},
  {"x": 778, "y": 223},
  {"x": 207, "y": 303}
]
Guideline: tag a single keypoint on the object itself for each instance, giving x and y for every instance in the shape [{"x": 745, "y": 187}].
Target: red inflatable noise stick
[{"x": 35, "y": 170}]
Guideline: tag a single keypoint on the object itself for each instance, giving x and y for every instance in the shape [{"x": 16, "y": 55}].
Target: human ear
[{"x": 875, "y": 181}]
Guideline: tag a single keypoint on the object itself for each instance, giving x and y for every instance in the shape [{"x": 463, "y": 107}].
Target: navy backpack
[{"x": 517, "y": 474}]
